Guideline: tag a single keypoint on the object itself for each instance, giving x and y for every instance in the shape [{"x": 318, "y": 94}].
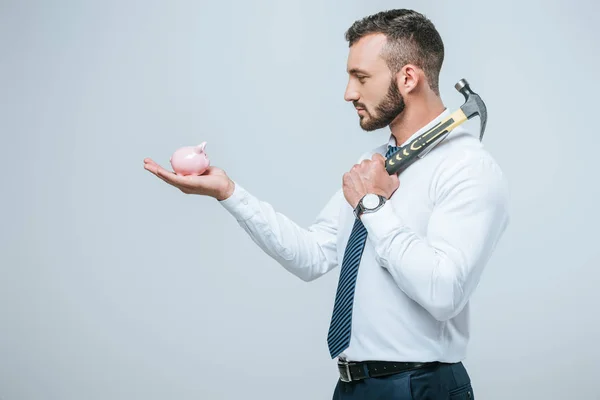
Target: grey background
[{"x": 114, "y": 285}]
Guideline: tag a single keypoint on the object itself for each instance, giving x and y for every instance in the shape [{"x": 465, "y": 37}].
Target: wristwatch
[{"x": 369, "y": 203}]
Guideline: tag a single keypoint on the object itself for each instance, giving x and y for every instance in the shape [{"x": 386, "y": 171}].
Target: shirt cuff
[
  {"x": 241, "y": 204},
  {"x": 382, "y": 223}
]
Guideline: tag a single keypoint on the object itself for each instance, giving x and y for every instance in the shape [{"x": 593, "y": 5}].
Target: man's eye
[{"x": 362, "y": 79}]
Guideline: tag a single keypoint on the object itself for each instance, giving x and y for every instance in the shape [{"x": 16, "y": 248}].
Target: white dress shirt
[{"x": 426, "y": 249}]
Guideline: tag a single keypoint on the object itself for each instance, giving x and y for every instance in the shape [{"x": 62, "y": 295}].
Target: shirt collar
[{"x": 445, "y": 113}]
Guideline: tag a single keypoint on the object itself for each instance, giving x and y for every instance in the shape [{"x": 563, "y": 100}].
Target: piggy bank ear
[{"x": 202, "y": 146}]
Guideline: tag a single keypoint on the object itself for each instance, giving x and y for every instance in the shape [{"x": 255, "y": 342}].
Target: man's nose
[{"x": 351, "y": 95}]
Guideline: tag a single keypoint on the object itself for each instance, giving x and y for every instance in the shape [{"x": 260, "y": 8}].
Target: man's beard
[{"x": 386, "y": 111}]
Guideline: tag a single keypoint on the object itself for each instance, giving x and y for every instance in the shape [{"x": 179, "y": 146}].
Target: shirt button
[{"x": 245, "y": 201}]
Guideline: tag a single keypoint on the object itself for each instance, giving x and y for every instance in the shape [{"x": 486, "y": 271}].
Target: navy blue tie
[{"x": 338, "y": 338}]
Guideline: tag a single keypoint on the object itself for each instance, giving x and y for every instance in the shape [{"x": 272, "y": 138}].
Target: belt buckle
[{"x": 348, "y": 377}]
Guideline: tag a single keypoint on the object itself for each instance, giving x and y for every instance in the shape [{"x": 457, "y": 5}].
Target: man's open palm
[{"x": 213, "y": 182}]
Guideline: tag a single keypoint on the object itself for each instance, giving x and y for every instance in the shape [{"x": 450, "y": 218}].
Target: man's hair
[{"x": 411, "y": 39}]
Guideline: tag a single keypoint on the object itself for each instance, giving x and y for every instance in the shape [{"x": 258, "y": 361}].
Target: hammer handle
[{"x": 407, "y": 154}]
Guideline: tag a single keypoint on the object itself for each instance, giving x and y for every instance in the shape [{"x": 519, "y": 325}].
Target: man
[{"x": 411, "y": 248}]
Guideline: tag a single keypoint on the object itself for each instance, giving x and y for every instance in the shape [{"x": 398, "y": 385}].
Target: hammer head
[{"x": 473, "y": 105}]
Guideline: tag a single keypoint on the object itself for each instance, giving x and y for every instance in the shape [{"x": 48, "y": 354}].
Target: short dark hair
[{"x": 411, "y": 38}]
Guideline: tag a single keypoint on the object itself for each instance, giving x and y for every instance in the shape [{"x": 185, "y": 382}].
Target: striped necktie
[{"x": 338, "y": 338}]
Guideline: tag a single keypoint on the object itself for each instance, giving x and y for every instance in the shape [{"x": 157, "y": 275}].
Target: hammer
[{"x": 420, "y": 146}]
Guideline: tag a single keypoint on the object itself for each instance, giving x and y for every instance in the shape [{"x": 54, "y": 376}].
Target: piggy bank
[{"x": 190, "y": 160}]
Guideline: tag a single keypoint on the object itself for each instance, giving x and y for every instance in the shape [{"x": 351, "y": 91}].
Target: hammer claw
[{"x": 473, "y": 105}]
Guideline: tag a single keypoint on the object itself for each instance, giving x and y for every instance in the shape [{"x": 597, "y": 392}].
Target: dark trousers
[{"x": 440, "y": 382}]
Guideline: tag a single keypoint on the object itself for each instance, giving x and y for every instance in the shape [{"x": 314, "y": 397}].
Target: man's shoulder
[
  {"x": 463, "y": 161},
  {"x": 463, "y": 149}
]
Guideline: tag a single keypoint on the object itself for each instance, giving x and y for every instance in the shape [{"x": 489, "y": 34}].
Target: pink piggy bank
[{"x": 190, "y": 160}]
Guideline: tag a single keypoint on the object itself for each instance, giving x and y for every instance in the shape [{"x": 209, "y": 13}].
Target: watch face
[{"x": 371, "y": 200}]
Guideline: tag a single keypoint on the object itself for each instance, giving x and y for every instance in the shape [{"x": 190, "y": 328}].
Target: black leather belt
[{"x": 355, "y": 371}]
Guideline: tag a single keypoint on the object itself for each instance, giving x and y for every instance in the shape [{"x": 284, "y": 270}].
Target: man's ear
[{"x": 408, "y": 78}]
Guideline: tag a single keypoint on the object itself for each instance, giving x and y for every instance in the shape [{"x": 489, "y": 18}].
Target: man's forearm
[{"x": 306, "y": 253}]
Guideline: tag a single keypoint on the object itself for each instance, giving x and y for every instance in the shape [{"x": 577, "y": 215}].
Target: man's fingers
[
  {"x": 150, "y": 165},
  {"x": 167, "y": 176},
  {"x": 378, "y": 157}
]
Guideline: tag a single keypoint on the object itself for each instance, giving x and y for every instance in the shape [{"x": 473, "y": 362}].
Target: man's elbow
[
  {"x": 444, "y": 307},
  {"x": 305, "y": 273},
  {"x": 444, "y": 311},
  {"x": 306, "y": 276}
]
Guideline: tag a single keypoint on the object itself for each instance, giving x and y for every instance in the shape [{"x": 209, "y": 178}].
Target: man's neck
[{"x": 414, "y": 117}]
